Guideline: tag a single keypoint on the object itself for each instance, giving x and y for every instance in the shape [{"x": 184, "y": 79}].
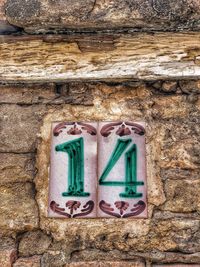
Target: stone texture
[
  {"x": 27, "y": 94},
  {"x": 8, "y": 252},
  {"x": 69, "y": 93},
  {"x": 181, "y": 155},
  {"x": 169, "y": 86},
  {"x": 2, "y": 13},
  {"x": 46, "y": 15},
  {"x": 75, "y": 93},
  {"x": 16, "y": 168},
  {"x": 182, "y": 195},
  {"x": 176, "y": 265},
  {"x": 176, "y": 173},
  {"x": 5, "y": 27},
  {"x": 7, "y": 257},
  {"x": 171, "y": 107},
  {"x": 55, "y": 258},
  {"x": 170, "y": 235},
  {"x": 105, "y": 264},
  {"x": 28, "y": 262},
  {"x": 18, "y": 208},
  {"x": 190, "y": 87},
  {"x": 27, "y": 245},
  {"x": 19, "y": 127},
  {"x": 155, "y": 256}
]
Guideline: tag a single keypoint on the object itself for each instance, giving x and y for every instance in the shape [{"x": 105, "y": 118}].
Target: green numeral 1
[
  {"x": 130, "y": 182},
  {"x": 75, "y": 151}
]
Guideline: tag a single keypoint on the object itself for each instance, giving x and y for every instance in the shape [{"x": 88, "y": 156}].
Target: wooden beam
[
  {"x": 59, "y": 15},
  {"x": 59, "y": 58}
]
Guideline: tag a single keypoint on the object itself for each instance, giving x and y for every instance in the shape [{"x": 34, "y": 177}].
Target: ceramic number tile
[
  {"x": 73, "y": 179},
  {"x": 121, "y": 170}
]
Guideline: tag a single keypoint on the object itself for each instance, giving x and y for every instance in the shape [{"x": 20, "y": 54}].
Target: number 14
[{"x": 75, "y": 151}]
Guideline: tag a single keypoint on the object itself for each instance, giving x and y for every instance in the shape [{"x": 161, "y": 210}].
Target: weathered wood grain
[
  {"x": 59, "y": 15},
  {"x": 118, "y": 57}
]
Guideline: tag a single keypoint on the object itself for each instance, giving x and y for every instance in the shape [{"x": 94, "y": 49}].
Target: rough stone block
[
  {"x": 27, "y": 94},
  {"x": 7, "y": 257},
  {"x": 177, "y": 173},
  {"x": 20, "y": 127},
  {"x": 27, "y": 244},
  {"x": 190, "y": 87},
  {"x": 178, "y": 154},
  {"x": 16, "y": 168},
  {"x": 75, "y": 93},
  {"x": 2, "y": 12},
  {"x": 44, "y": 15},
  {"x": 28, "y": 262},
  {"x": 169, "y": 107},
  {"x": 176, "y": 265},
  {"x": 182, "y": 195},
  {"x": 105, "y": 264},
  {"x": 18, "y": 208},
  {"x": 69, "y": 93},
  {"x": 8, "y": 252},
  {"x": 5, "y": 27}
]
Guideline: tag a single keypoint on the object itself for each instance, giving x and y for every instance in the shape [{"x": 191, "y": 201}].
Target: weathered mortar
[{"x": 171, "y": 111}]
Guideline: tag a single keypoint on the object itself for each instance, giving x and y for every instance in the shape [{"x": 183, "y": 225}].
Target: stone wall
[
  {"x": 170, "y": 235},
  {"x": 52, "y": 42}
]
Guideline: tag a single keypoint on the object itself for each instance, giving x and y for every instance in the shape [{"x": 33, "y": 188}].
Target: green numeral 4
[{"x": 130, "y": 182}]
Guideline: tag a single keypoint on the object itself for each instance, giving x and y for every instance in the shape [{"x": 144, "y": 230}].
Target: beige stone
[
  {"x": 176, "y": 265},
  {"x": 105, "y": 264},
  {"x": 16, "y": 168},
  {"x": 106, "y": 240},
  {"x": 20, "y": 126},
  {"x": 28, "y": 262},
  {"x": 42, "y": 15},
  {"x": 171, "y": 232},
  {"x": 8, "y": 252},
  {"x": 179, "y": 154},
  {"x": 2, "y": 11},
  {"x": 190, "y": 87},
  {"x": 18, "y": 208},
  {"x": 27, "y": 244},
  {"x": 155, "y": 256},
  {"x": 27, "y": 94},
  {"x": 179, "y": 174},
  {"x": 5, "y": 27},
  {"x": 169, "y": 86},
  {"x": 182, "y": 195},
  {"x": 7, "y": 257},
  {"x": 89, "y": 239},
  {"x": 170, "y": 107}
]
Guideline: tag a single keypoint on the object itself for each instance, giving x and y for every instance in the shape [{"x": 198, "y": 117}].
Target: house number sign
[{"x": 98, "y": 170}]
